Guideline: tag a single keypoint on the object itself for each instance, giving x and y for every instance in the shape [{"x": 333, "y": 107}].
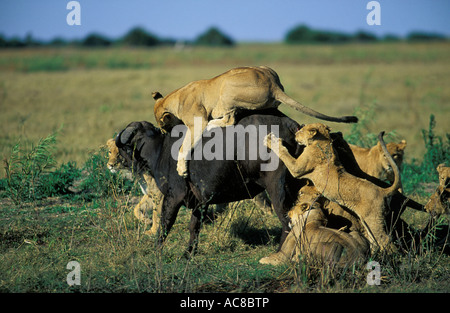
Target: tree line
[
  {"x": 136, "y": 37},
  {"x": 214, "y": 37}
]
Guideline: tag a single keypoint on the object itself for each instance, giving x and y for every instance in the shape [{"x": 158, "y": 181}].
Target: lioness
[
  {"x": 373, "y": 161},
  {"x": 218, "y": 99},
  {"x": 151, "y": 201},
  {"x": 439, "y": 202},
  {"x": 311, "y": 236},
  {"x": 319, "y": 163}
]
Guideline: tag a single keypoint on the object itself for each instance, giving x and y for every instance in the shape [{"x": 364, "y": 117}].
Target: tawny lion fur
[
  {"x": 319, "y": 163},
  {"x": 311, "y": 237},
  {"x": 219, "y": 98},
  {"x": 372, "y": 160},
  {"x": 439, "y": 202}
]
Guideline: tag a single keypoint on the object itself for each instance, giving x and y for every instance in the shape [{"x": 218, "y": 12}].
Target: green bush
[
  {"x": 437, "y": 152},
  {"x": 96, "y": 40},
  {"x": 26, "y": 167},
  {"x": 31, "y": 175},
  {"x": 59, "y": 181},
  {"x": 214, "y": 37},
  {"x": 139, "y": 37},
  {"x": 359, "y": 134}
]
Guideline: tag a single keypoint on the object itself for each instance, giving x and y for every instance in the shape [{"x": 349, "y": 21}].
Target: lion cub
[
  {"x": 311, "y": 237},
  {"x": 439, "y": 202},
  {"x": 372, "y": 160},
  {"x": 319, "y": 163}
]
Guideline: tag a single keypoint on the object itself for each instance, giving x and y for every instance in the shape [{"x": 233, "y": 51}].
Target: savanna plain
[{"x": 59, "y": 203}]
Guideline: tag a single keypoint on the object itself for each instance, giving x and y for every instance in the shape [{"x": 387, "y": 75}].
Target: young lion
[
  {"x": 218, "y": 99},
  {"x": 319, "y": 163},
  {"x": 152, "y": 196},
  {"x": 310, "y": 235},
  {"x": 439, "y": 202},
  {"x": 373, "y": 161}
]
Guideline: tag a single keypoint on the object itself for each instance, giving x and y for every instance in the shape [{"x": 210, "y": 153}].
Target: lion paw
[
  {"x": 273, "y": 259},
  {"x": 152, "y": 231},
  {"x": 272, "y": 142},
  {"x": 268, "y": 140}
]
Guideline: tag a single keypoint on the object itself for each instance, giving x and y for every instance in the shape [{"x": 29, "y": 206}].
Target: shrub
[
  {"x": 214, "y": 37},
  {"x": 359, "y": 134},
  {"x": 59, "y": 181},
  {"x": 25, "y": 168},
  {"x": 98, "y": 181},
  {"x": 423, "y": 36},
  {"x": 96, "y": 40},
  {"x": 437, "y": 152},
  {"x": 31, "y": 175},
  {"x": 139, "y": 37}
]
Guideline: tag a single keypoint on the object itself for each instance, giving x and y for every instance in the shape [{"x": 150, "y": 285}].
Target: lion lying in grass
[
  {"x": 151, "y": 201},
  {"x": 311, "y": 237},
  {"x": 319, "y": 163},
  {"x": 439, "y": 202},
  {"x": 373, "y": 161}
]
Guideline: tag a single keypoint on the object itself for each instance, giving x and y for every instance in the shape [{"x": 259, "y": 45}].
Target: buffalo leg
[
  {"x": 197, "y": 217},
  {"x": 169, "y": 212}
]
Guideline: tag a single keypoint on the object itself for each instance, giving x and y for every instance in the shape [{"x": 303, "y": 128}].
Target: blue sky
[{"x": 243, "y": 20}]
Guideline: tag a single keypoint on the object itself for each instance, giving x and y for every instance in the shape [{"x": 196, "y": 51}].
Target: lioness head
[
  {"x": 306, "y": 212},
  {"x": 309, "y": 200},
  {"x": 166, "y": 120},
  {"x": 115, "y": 160},
  {"x": 311, "y": 132},
  {"x": 114, "y": 163}
]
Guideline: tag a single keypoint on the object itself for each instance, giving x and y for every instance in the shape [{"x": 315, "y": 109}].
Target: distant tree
[
  {"x": 391, "y": 38},
  {"x": 96, "y": 40},
  {"x": 299, "y": 34},
  {"x": 423, "y": 36},
  {"x": 3, "y": 42},
  {"x": 15, "y": 42},
  {"x": 30, "y": 41},
  {"x": 58, "y": 42},
  {"x": 214, "y": 37},
  {"x": 139, "y": 37},
  {"x": 304, "y": 34},
  {"x": 364, "y": 37},
  {"x": 330, "y": 37}
]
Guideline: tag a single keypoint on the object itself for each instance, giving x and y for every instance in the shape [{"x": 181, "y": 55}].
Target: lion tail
[
  {"x": 397, "y": 181},
  {"x": 284, "y": 98}
]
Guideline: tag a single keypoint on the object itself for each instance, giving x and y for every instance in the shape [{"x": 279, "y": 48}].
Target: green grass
[
  {"x": 62, "y": 59},
  {"x": 95, "y": 226}
]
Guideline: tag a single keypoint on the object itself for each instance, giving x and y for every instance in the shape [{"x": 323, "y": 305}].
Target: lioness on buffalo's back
[{"x": 218, "y": 99}]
